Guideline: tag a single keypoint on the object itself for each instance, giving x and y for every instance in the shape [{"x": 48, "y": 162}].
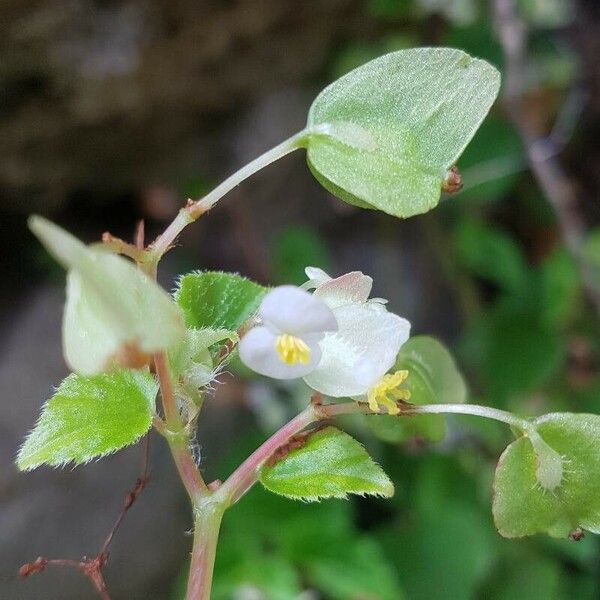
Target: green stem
[
  {"x": 469, "y": 409},
  {"x": 246, "y": 475},
  {"x": 195, "y": 209},
  {"x": 206, "y": 534}
]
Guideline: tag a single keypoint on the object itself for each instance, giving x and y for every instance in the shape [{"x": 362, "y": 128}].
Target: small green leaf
[
  {"x": 523, "y": 507},
  {"x": 195, "y": 348},
  {"x": 384, "y": 135},
  {"x": 217, "y": 300},
  {"x": 90, "y": 417},
  {"x": 329, "y": 464},
  {"x": 433, "y": 379}
]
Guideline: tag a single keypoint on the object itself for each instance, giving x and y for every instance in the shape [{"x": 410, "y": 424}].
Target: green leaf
[
  {"x": 329, "y": 464},
  {"x": 271, "y": 577},
  {"x": 522, "y": 507},
  {"x": 512, "y": 349},
  {"x": 90, "y": 417},
  {"x": 490, "y": 253},
  {"x": 433, "y": 379},
  {"x": 357, "y": 568},
  {"x": 218, "y": 300},
  {"x": 560, "y": 288},
  {"x": 384, "y": 135}
]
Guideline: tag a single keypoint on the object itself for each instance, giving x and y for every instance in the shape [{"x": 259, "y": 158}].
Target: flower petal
[
  {"x": 316, "y": 277},
  {"x": 257, "y": 351},
  {"x": 362, "y": 350},
  {"x": 351, "y": 287},
  {"x": 288, "y": 309},
  {"x": 114, "y": 313}
]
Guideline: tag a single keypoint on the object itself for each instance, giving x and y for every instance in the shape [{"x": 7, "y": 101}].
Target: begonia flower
[{"x": 285, "y": 345}]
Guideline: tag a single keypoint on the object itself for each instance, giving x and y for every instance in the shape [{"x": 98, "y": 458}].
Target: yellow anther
[
  {"x": 292, "y": 350},
  {"x": 385, "y": 393}
]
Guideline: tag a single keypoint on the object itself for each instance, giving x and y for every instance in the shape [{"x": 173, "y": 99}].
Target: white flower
[
  {"x": 286, "y": 343},
  {"x": 114, "y": 313},
  {"x": 356, "y": 358},
  {"x": 299, "y": 338}
]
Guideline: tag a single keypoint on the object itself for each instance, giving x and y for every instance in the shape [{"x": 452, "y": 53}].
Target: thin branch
[
  {"x": 546, "y": 168},
  {"x": 92, "y": 567}
]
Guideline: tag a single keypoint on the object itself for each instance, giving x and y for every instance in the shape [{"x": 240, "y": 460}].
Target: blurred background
[{"x": 112, "y": 111}]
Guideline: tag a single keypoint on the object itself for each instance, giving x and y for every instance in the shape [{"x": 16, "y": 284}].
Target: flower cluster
[{"x": 337, "y": 339}]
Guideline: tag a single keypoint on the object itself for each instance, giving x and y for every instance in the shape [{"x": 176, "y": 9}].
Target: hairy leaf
[
  {"x": 89, "y": 417},
  {"x": 384, "y": 135},
  {"x": 218, "y": 300},
  {"x": 523, "y": 507},
  {"x": 433, "y": 379},
  {"x": 328, "y": 464}
]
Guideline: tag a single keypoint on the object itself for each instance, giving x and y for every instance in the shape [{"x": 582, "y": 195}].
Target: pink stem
[
  {"x": 206, "y": 535},
  {"x": 242, "y": 479}
]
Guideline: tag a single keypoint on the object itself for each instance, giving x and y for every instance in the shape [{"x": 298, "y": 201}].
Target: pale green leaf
[
  {"x": 90, "y": 417},
  {"x": 195, "y": 346},
  {"x": 218, "y": 300},
  {"x": 384, "y": 135},
  {"x": 113, "y": 310},
  {"x": 523, "y": 507},
  {"x": 328, "y": 464},
  {"x": 433, "y": 379}
]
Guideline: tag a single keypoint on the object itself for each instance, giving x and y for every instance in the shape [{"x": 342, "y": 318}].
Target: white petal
[
  {"x": 257, "y": 351},
  {"x": 351, "y": 287},
  {"x": 110, "y": 303},
  {"x": 288, "y": 309},
  {"x": 316, "y": 277},
  {"x": 90, "y": 334},
  {"x": 363, "y": 349}
]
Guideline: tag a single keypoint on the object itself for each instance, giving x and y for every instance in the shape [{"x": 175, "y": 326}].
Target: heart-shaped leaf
[
  {"x": 523, "y": 506},
  {"x": 90, "y": 417},
  {"x": 384, "y": 135},
  {"x": 325, "y": 464}
]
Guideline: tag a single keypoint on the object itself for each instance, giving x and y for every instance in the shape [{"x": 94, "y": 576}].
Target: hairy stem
[
  {"x": 206, "y": 533},
  {"x": 176, "y": 435},
  {"x": 196, "y": 209},
  {"x": 244, "y": 477}
]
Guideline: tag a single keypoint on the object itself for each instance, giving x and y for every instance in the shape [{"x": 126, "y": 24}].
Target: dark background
[{"x": 115, "y": 111}]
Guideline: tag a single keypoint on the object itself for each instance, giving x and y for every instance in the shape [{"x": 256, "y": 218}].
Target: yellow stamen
[
  {"x": 386, "y": 392},
  {"x": 292, "y": 350}
]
